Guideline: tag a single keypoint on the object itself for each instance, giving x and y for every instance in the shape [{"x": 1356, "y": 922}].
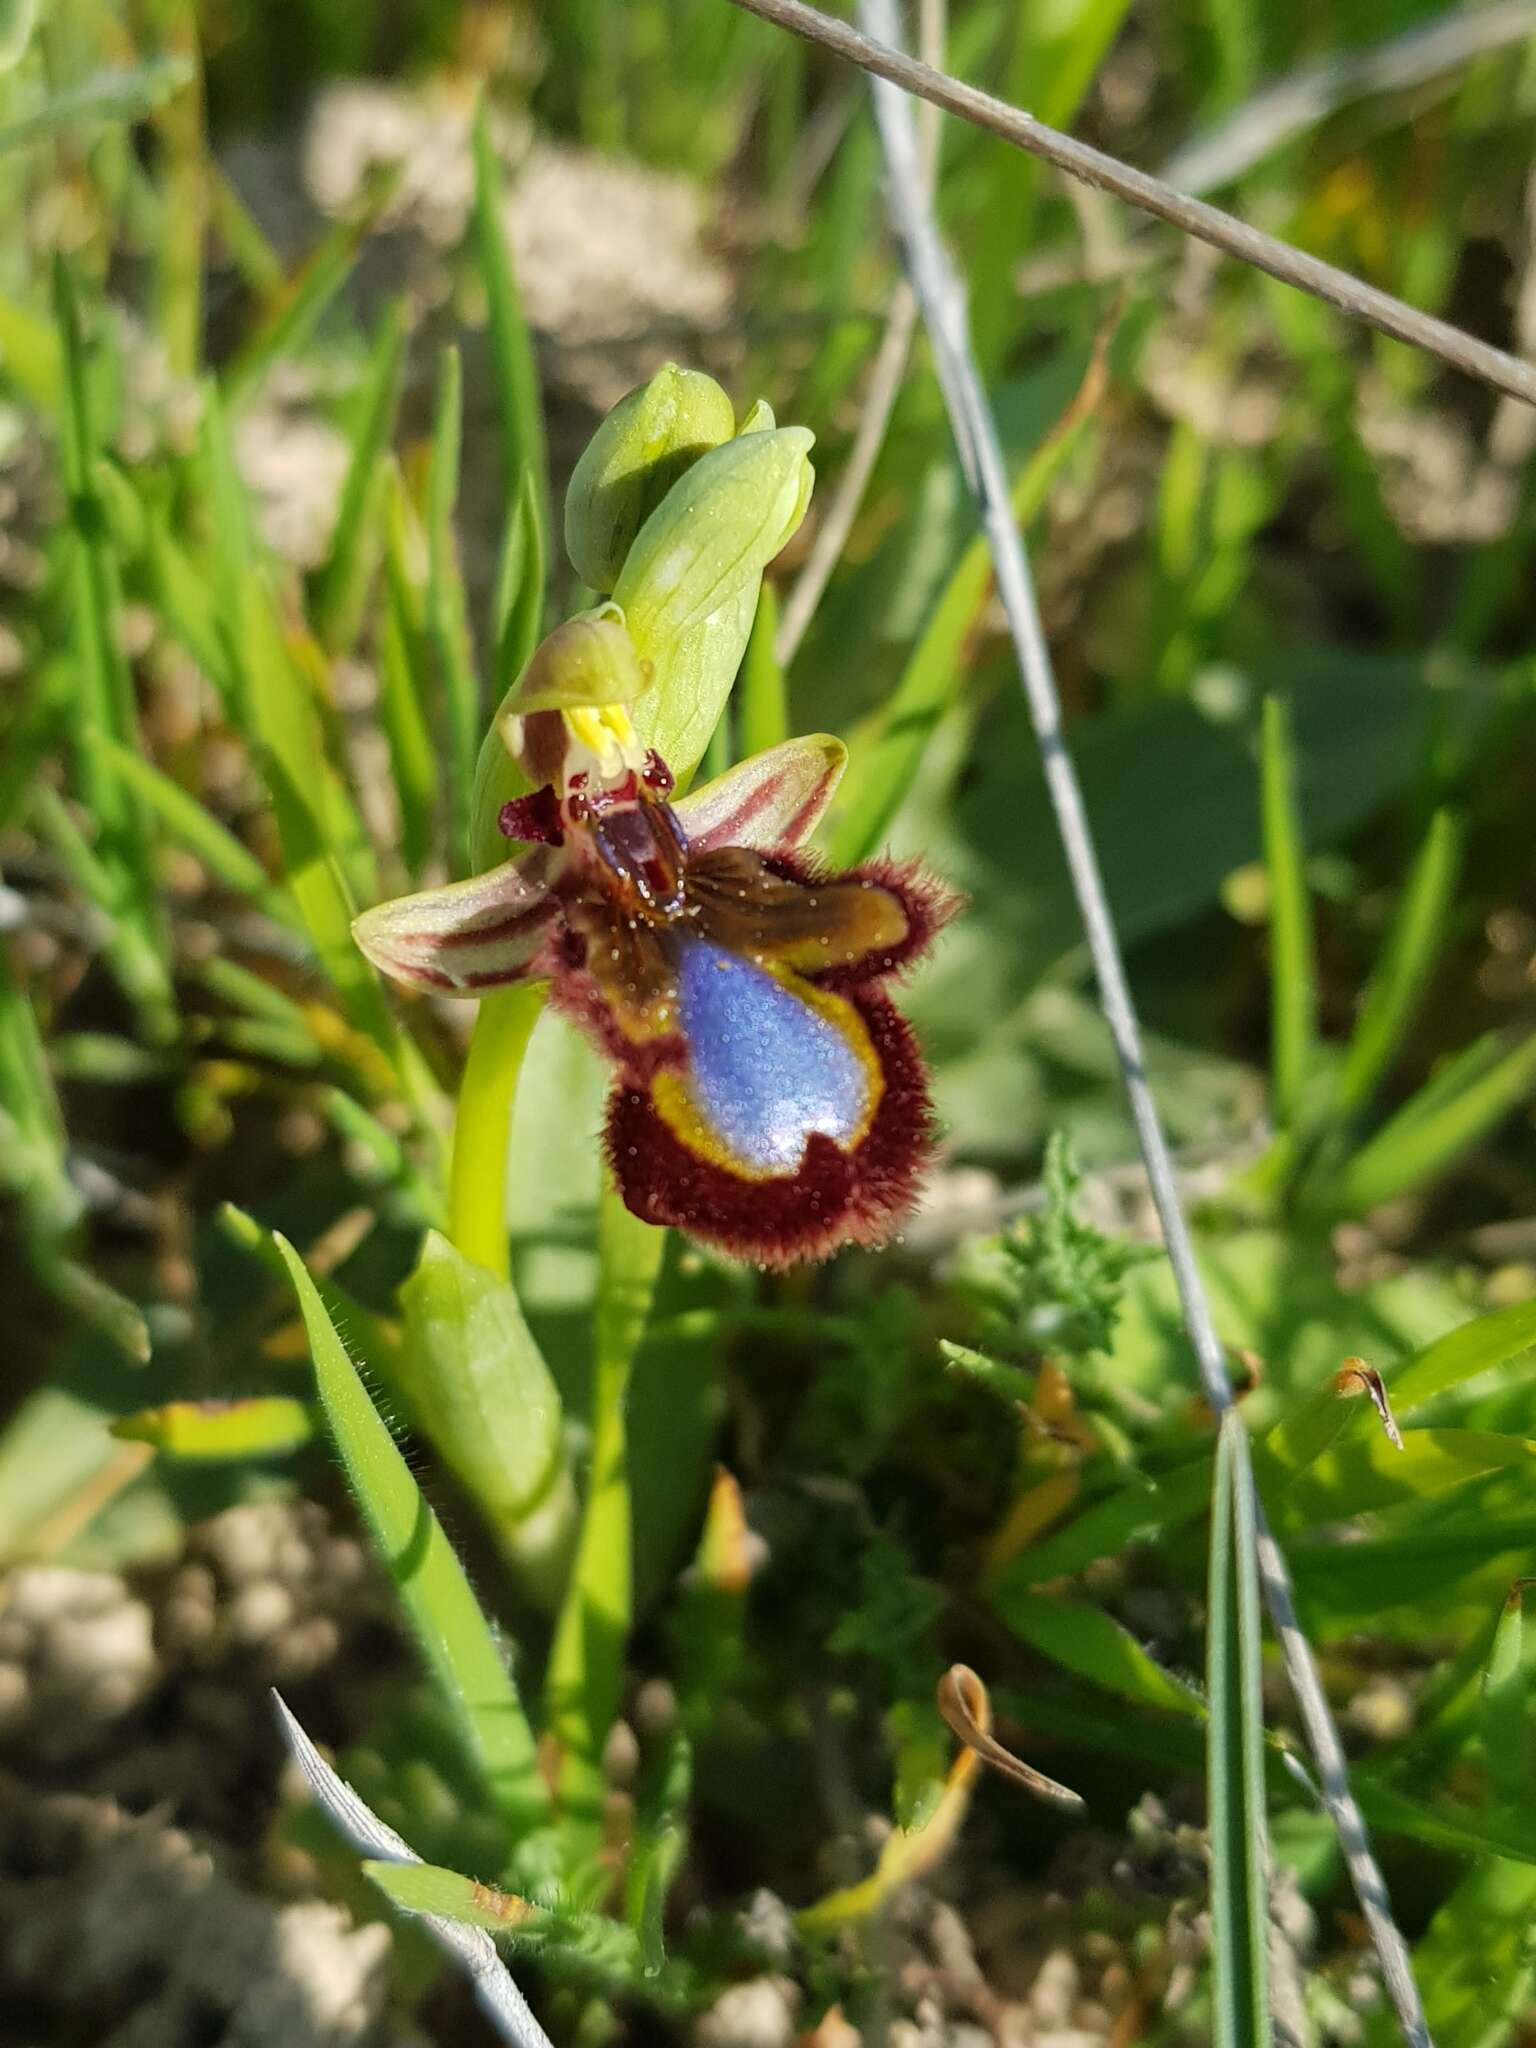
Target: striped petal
[
  {"x": 468, "y": 938},
  {"x": 771, "y": 803}
]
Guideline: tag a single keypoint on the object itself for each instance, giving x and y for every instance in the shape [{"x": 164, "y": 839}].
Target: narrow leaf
[
  {"x": 454, "y": 1636},
  {"x": 762, "y": 703},
  {"x": 516, "y": 383},
  {"x": 1094, "y": 1645},
  {"x": 341, "y": 586},
  {"x": 1235, "y": 1757},
  {"x": 1475, "y": 1347},
  {"x": 1419, "y": 1143},
  {"x": 1408, "y": 958},
  {"x": 447, "y": 613},
  {"x": 1292, "y": 953},
  {"x": 199, "y": 1431},
  {"x": 1506, "y": 1707}
]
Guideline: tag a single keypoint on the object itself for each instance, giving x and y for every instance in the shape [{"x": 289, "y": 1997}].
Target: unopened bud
[{"x": 633, "y": 460}]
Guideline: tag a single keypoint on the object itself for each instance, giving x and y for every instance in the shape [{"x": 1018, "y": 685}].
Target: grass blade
[
  {"x": 405, "y": 682},
  {"x": 1407, "y": 960},
  {"x": 1506, "y": 1707},
  {"x": 1093, "y": 1644},
  {"x": 185, "y": 819},
  {"x": 341, "y": 586},
  {"x": 1235, "y": 1757},
  {"x": 1292, "y": 954},
  {"x": 455, "y": 1638},
  {"x": 1420, "y": 1141},
  {"x": 761, "y": 701},
  {"x": 447, "y": 612},
  {"x": 138, "y": 948},
  {"x": 1475, "y": 1347},
  {"x": 111, "y": 96},
  {"x": 517, "y": 610},
  {"x": 309, "y": 293},
  {"x": 516, "y": 381}
]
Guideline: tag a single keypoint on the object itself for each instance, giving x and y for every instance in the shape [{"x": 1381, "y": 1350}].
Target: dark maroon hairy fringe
[
  {"x": 929, "y": 906},
  {"x": 836, "y": 1198}
]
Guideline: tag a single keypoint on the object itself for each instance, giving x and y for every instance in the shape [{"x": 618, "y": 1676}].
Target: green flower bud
[
  {"x": 632, "y": 461},
  {"x": 690, "y": 583}
]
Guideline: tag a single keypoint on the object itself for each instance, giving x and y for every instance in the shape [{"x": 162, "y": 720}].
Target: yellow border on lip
[{"x": 683, "y": 1117}]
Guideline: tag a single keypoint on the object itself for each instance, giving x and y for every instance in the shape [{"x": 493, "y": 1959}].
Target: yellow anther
[{"x": 607, "y": 732}]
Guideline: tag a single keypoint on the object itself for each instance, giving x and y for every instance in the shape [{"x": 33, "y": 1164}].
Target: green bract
[
  {"x": 479, "y": 1378},
  {"x": 632, "y": 461}
]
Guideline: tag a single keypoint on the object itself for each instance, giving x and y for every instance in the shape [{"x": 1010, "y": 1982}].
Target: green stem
[
  {"x": 477, "y": 1176},
  {"x": 586, "y": 1665}
]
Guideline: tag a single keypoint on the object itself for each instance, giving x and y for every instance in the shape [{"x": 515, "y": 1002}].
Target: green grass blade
[
  {"x": 517, "y": 609},
  {"x": 1408, "y": 959},
  {"x": 105, "y": 698},
  {"x": 1131, "y": 1514},
  {"x": 1474, "y": 1963},
  {"x": 1235, "y": 1757},
  {"x": 1475, "y": 1347},
  {"x": 135, "y": 961},
  {"x": 183, "y": 194},
  {"x": 1419, "y": 1143},
  {"x": 1292, "y": 953},
  {"x": 309, "y": 293},
  {"x": 204, "y": 1432},
  {"x": 341, "y": 586},
  {"x": 516, "y": 379},
  {"x": 1093, "y": 1644},
  {"x": 1506, "y": 1711},
  {"x": 447, "y": 612},
  {"x": 456, "y": 1640},
  {"x": 184, "y": 818},
  {"x": 112, "y": 96},
  {"x": 762, "y": 700},
  {"x": 586, "y": 1666},
  {"x": 405, "y": 683}
]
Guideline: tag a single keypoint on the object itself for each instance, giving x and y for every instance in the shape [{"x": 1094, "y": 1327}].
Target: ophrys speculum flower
[{"x": 770, "y": 1098}]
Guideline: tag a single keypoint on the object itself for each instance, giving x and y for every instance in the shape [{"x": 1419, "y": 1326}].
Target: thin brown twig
[
  {"x": 884, "y": 388},
  {"x": 1350, "y": 295}
]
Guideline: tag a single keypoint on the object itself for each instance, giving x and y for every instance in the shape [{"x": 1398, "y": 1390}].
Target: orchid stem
[
  {"x": 477, "y": 1175},
  {"x": 586, "y": 1665}
]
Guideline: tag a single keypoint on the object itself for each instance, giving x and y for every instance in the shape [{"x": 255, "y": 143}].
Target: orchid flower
[{"x": 769, "y": 1098}]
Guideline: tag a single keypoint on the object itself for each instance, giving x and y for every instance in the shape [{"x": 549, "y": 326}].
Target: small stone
[{"x": 258, "y": 1612}]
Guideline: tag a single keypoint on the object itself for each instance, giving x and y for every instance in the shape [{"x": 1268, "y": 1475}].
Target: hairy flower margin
[{"x": 770, "y": 1099}]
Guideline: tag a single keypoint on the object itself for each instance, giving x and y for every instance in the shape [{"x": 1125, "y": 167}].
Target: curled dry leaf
[{"x": 965, "y": 1705}]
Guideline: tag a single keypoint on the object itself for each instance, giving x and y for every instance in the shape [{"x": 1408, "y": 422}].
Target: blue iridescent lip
[{"x": 767, "y": 1067}]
